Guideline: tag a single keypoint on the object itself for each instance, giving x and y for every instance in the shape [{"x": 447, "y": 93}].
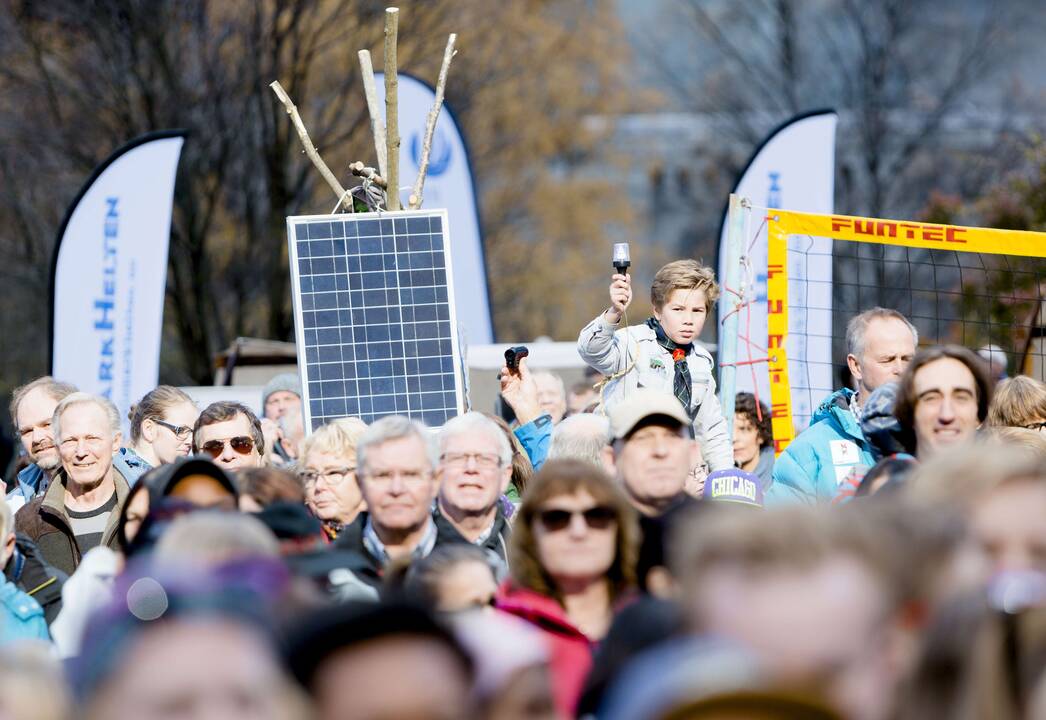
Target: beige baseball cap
[{"x": 641, "y": 403}]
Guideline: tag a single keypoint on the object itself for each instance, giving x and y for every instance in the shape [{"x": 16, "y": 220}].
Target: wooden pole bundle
[{"x": 386, "y": 133}]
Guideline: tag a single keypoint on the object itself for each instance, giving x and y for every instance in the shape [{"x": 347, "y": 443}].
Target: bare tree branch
[
  {"x": 377, "y": 124},
  {"x": 430, "y": 123},
  {"x": 310, "y": 149}
]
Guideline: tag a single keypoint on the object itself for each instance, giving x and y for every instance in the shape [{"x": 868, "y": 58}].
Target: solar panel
[{"x": 374, "y": 318}]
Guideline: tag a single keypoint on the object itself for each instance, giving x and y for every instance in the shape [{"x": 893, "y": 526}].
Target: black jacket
[
  {"x": 34, "y": 576},
  {"x": 495, "y": 544},
  {"x": 352, "y": 554}
]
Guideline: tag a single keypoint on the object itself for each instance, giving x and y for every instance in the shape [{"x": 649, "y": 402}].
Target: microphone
[{"x": 621, "y": 258}]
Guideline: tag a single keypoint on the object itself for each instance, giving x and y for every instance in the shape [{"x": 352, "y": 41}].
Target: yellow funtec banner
[{"x": 783, "y": 223}]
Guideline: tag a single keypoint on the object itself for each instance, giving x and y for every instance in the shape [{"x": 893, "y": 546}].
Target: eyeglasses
[
  {"x": 332, "y": 477},
  {"x": 241, "y": 444},
  {"x": 596, "y": 518},
  {"x": 180, "y": 431},
  {"x": 488, "y": 461},
  {"x": 1038, "y": 426}
]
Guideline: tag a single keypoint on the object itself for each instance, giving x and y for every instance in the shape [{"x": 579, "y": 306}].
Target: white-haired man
[
  {"x": 880, "y": 343},
  {"x": 475, "y": 468},
  {"x": 396, "y": 463},
  {"x": 81, "y": 507}
]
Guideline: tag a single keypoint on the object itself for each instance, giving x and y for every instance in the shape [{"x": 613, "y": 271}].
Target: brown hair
[
  {"x": 793, "y": 538},
  {"x": 1018, "y": 401},
  {"x": 57, "y": 390},
  {"x": 745, "y": 405},
  {"x": 522, "y": 469},
  {"x": 153, "y": 405},
  {"x": 904, "y": 410},
  {"x": 683, "y": 275},
  {"x": 961, "y": 478},
  {"x": 224, "y": 410},
  {"x": 268, "y": 485},
  {"x": 567, "y": 477}
]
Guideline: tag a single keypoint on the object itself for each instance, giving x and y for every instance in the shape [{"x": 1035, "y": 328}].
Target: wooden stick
[
  {"x": 360, "y": 170},
  {"x": 392, "y": 129},
  {"x": 377, "y": 124},
  {"x": 310, "y": 149},
  {"x": 430, "y": 123}
]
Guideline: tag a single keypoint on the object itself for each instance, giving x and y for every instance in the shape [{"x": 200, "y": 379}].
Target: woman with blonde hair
[
  {"x": 328, "y": 473},
  {"x": 161, "y": 425},
  {"x": 1018, "y": 402},
  {"x": 573, "y": 556}
]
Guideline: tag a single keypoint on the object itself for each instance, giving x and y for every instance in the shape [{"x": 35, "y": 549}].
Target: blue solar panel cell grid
[{"x": 374, "y": 318}]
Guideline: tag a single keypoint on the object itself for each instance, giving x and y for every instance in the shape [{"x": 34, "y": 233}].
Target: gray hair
[
  {"x": 212, "y": 537},
  {"x": 54, "y": 388},
  {"x": 554, "y": 377},
  {"x": 473, "y": 422},
  {"x": 581, "y": 437},
  {"x": 858, "y": 326},
  {"x": 394, "y": 427},
  {"x": 82, "y": 398}
]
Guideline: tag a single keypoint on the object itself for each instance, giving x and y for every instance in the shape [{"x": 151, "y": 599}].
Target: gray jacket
[{"x": 610, "y": 350}]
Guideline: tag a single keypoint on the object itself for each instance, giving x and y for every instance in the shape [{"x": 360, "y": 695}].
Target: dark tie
[{"x": 681, "y": 385}]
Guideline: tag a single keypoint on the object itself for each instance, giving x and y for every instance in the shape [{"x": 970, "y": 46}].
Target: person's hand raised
[
  {"x": 620, "y": 297},
  {"x": 520, "y": 391}
]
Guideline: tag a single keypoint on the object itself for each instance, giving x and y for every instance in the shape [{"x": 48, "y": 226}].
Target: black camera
[{"x": 512, "y": 356}]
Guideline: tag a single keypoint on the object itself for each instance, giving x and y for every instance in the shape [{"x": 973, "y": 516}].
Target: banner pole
[{"x": 733, "y": 294}]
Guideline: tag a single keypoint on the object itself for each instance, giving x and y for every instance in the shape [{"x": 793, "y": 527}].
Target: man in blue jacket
[
  {"x": 32, "y": 406},
  {"x": 879, "y": 342}
]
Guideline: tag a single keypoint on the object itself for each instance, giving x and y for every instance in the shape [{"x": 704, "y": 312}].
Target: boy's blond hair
[{"x": 683, "y": 275}]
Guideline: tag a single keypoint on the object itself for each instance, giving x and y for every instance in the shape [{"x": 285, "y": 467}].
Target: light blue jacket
[
  {"x": 31, "y": 480},
  {"x": 535, "y": 437},
  {"x": 131, "y": 465},
  {"x": 812, "y": 466},
  {"x": 20, "y": 616}
]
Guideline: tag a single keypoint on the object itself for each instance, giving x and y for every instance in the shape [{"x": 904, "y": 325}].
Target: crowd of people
[{"x": 616, "y": 552}]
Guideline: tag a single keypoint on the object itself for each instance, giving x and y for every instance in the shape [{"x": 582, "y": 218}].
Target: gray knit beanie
[{"x": 283, "y": 381}]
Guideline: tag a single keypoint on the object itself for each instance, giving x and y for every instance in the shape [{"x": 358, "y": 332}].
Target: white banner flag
[
  {"x": 110, "y": 271},
  {"x": 793, "y": 169},
  {"x": 448, "y": 184}
]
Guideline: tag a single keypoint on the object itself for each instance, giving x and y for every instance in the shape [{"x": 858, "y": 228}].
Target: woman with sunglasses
[{"x": 573, "y": 556}]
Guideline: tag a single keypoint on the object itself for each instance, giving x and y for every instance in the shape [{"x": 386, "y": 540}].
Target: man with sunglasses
[
  {"x": 475, "y": 469},
  {"x": 231, "y": 435},
  {"x": 652, "y": 450}
]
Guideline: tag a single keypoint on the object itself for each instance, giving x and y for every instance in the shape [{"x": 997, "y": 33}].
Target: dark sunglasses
[
  {"x": 597, "y": 518},
  {"x": 241, "y": 444}
]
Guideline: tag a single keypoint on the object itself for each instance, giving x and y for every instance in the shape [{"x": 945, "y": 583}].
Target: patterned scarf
[{"x": 681, "y": 385}]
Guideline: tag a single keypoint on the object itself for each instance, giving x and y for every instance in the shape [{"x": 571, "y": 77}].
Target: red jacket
[{"x": 570, "y": 651}]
